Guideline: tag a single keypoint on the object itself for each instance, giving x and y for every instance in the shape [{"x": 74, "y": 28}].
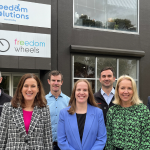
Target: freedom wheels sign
[
  {"x": 25, "y": 13},
  {"x": 15, "y": 43}
]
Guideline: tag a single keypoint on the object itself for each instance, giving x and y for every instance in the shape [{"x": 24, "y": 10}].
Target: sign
[
  {"x": 13, "y": 43},
  {"x": 25, "y": 13}
]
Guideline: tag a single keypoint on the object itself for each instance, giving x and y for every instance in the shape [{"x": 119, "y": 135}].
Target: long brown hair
[
  {"x": 72, "y": 101},
  {"x": 18, "y": 99}
]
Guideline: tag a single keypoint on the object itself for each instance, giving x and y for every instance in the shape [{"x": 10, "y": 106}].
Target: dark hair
[
  {"x": 18, "y": 99},
  {"x": 72, "y": 101},
  {"x": 55, "y": 73},
  {"x": 108, "y": 68}
]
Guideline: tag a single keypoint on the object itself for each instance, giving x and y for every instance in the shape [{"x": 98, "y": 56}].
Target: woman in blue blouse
[{"x": 81, "y": 125}]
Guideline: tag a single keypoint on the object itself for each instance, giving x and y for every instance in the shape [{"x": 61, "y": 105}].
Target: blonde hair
[
  {"x": 72, "y": 101},
  {"x": 135, "y": 98}
]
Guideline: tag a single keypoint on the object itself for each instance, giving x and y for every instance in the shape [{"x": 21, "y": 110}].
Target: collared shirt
[
  {"x": 109, "y": 97},
  {"x": 55, "y": 106}
]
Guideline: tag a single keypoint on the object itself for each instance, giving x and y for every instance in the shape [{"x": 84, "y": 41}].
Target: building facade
[{"x": 27, "y": 59}]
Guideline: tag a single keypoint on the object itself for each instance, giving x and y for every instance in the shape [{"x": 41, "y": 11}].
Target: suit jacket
[
  {"x": 148, "y": 103},
  {"x": 13, "y": 134},
  {"x": 102, "y": 103},
  {"x": 94, "y": 134},
  {"x": 3, "y": 99}
]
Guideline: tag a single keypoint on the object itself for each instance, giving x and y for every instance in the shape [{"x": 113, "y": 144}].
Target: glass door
[{"x": 15, "y": 78}]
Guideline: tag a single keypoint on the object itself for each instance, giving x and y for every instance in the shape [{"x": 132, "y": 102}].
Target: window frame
[
  {"x": 97, "y": 78},
  {"x": 108, "y": 30},
  {"x": 11, "y": 75}
]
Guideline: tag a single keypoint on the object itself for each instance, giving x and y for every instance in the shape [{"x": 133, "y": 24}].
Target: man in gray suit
[{"x": 3, "y": 96}]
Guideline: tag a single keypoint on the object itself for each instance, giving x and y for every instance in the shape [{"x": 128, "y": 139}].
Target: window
[
  {"x": 117, "y": 15},
  {"x": 10, "y": 82},
  {"x": 89, "y": 67}
]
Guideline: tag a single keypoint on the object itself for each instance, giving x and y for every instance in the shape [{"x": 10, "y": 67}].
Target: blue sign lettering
[
  {"x": 5, "y": 7},
  {"x": 14, "y": 8},
  {"x": 11, "y": 8},
  {"x": 1, "y": 6}
]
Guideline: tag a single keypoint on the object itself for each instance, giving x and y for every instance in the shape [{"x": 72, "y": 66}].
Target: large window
[
  {"x": 89, "y": 67},
  {"x": 107, "y": 14}
]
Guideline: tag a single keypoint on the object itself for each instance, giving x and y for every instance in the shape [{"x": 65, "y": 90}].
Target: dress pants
[{"x": 55, "y": 147}]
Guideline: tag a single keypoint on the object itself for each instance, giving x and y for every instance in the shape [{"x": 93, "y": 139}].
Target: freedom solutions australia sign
[
  {"x": 25, "y": 13},
  {"x": 25, "y": 44}
]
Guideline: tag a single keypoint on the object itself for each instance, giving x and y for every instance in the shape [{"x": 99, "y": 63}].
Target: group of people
[{"x": 111, "y": 119}]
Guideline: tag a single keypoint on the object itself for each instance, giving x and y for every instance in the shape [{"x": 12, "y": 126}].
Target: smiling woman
[
  {"x": 81, "y": 93},
  {"x": 128, "y": 122},
  {"x": 82, "y": 121},
  {"x": 27, "y": 116},
  {"x": 30, "y": 90},
  {"x": 125, "y": 92}
]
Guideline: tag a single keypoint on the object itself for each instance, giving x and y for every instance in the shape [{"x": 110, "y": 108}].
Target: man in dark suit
[
  {"x": 105, "y": 95},
  {"x": 148, "y": 103},
  {"x": 3, "y": 96}
]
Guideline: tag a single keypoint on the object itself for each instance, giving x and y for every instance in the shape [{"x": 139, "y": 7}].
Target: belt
[
  {"x": 118, "y": 148},
  {"x": 54, "y": 143}
]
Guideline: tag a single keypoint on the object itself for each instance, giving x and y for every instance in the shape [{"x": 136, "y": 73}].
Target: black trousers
[{"x": 55, "y": 147}]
